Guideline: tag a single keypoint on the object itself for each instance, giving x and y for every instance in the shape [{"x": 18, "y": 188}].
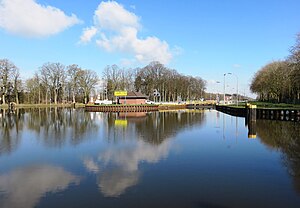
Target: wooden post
[
  {"x": 252, "y": 115},
  {"x": 252, "y": 122}
]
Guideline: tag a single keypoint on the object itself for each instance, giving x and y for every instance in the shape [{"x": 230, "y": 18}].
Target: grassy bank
[
  {"x": 276, "y": 105},
  {"x": 268, "y": 105},
  {"x": 44, "y": 105}
]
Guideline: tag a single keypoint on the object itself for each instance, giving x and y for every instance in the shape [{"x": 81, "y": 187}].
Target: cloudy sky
[{"x": 195, "y": 37}]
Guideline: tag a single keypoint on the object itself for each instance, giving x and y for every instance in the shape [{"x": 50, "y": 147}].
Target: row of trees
[
  {"x": 279, "y": 81},
  {"x": 156, "y": 81},
  {"x": 57, "y": 83},
  {"x": 52, "y": 83}
]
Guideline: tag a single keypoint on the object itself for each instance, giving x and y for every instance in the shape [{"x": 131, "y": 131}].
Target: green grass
[
  {"x": 267, "y": 105},
  {"x": 236, "y": 106},
  {"x": 275, "y": 105}
]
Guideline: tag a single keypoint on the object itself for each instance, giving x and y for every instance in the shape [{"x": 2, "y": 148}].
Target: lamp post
[
  {"x": 237, "y": 87},
  {"x": 217, "y": 94},
  {"x": 224, "y": 87}
]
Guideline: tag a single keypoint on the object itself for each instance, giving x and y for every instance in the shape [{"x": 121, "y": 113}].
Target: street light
[
  {"x": 217, "y": 93},
  {"x": 237, "y": 87},
  {"x": 224, "y": 87},
  {"x": 214, "y": 90}
]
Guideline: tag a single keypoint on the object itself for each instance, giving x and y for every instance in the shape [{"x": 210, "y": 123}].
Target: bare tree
[
  {"x": 118, "y": 79},
  {"x": 163, "y": 84},
  {"x": 45, "y": 83},
  {"x": 53, "y": 76},
  {"x": 17, "y": 84},
  {"x": 88, "y": 80},
  {"x": 111, "y": 77},
  {"x": 273, "y": 82},
  {"x": 74, "y": 72},
  {"x": 7, "y": 70},
  {"x": 294, "y": 60}
]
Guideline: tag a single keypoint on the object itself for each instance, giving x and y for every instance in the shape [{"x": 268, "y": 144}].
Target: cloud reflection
[
  {"x": 113, "y": 183},
  {"x": 120, "y": 165},
  {"x": 24, "y": 187},
  {"x": 91, "y": 165},
  {"x": 126, "y": 162},
  {"x": 128, "y": 158}
]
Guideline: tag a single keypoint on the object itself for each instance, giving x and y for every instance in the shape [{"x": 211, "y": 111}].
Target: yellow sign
[
  {"x": 120, "y": 122},
  {"x": 252, "y": 136},
  {"x": 120, "y": 93}
]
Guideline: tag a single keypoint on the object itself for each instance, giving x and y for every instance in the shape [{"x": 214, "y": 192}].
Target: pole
[
  {"x": 224, "y": 88},
  {"x": 237, "y": 90},
  {"x": 237, "y": 87}
]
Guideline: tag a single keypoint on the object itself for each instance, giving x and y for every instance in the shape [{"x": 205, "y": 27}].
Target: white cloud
[
  {"x": 118, "y": 32},
  {"x": 88, "y": 34},
  {"x": 112, "y": 16},
  {"x": 30, "y": 19}
]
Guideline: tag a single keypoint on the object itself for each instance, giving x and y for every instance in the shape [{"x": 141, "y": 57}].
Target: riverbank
[
  {"x": 285, "y": 113},
  {"x": 81, "y": 105},
  {"x": 284, "y": 106},
  {"x": 171, "y": 107},
  {"x": 266, "y": 105},
  {"x": 161, "y": 106},
  {"x": 121, "y": 108},
  {"x": 77, "y": 105}
]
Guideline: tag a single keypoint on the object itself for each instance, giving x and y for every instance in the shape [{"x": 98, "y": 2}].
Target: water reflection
[
  {"x": 137, "y": 137},
  {"x": 117, "y": 167},
  {"x": 58, "y": 126},
  {"x": 123, "y": 165},
  {"x": 54, "y": 126},
  {"x": 11, "y": 125},
  {"x": 153, "y": 127},
  {"x": 116, "y": 157},
  {"x": 24, "y": 187},
  {"x": 285, "y": 137}
]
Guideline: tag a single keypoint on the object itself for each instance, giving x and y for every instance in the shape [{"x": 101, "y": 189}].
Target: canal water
[{"x": 186, "y": 158}]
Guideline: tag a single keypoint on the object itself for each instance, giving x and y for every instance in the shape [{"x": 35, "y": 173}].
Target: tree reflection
[
  {"x": 57, "y": 126},
  {"x": 11, "y": 126},
  {"x": 285, "y": 137},
  {"x": 53, "y": 126},
  {"x": 154, "y": 127},
  {"x": 162, "y": 125}
]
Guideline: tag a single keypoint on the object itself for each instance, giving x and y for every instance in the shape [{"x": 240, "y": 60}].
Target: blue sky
[{"x": 195, "y": 37}]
